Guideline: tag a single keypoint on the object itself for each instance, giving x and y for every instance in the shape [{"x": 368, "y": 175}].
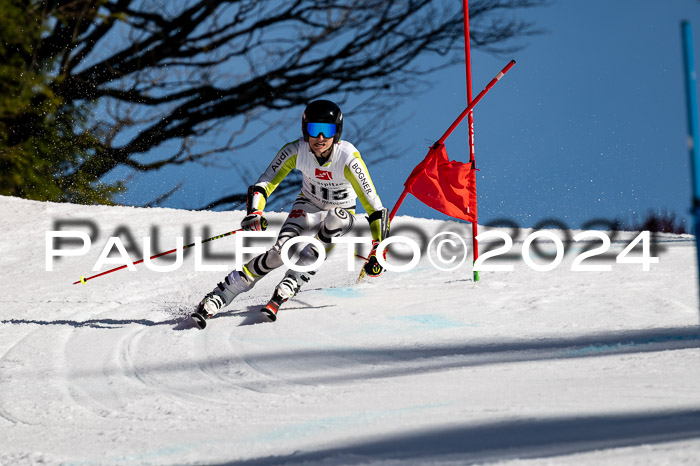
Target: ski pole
[{"x": 83, "y": 280}]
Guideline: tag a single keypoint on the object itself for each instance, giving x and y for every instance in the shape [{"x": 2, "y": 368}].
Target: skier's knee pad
[
  {"x": 274, "y": 256},
  {"x": 308, "y": 255},
  {"x": 271, "y": 259},
  {"x": 338, "y": 222},
  {"x": 266, "y": 263}
]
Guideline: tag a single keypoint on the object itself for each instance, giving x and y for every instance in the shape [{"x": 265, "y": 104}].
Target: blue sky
[{"x": 590, "y": 123}]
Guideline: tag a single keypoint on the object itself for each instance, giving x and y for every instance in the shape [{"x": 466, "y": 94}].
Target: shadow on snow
[
  {"x": 327, "y": 364},
  {"x": 251, "y": 316},
  {"x": 526, "y": 438}
]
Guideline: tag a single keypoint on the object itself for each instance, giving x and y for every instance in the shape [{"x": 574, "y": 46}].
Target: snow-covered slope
[{"x": 420, "y": 367}]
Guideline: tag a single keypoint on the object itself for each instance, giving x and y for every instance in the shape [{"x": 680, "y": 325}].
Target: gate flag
[
  {"x": 444, "y": 185},
  {"x": 449, "y": 187}
]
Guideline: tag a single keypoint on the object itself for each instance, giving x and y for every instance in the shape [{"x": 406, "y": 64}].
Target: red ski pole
[{"x": 83, "y": 280}]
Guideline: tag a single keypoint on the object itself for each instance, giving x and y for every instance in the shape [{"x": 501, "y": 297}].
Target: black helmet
[{"x": 322, "y": 111}]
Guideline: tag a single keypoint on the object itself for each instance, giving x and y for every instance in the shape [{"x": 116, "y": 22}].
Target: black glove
[{"x": 372, "y": 267}]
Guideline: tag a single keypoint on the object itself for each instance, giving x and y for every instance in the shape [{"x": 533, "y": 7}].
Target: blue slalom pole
[{"x": 693, "y": 138}]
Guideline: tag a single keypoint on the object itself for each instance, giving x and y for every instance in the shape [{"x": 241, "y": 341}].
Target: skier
[{"x": 334, "y": 176}]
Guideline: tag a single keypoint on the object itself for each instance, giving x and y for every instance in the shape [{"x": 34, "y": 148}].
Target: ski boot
[
  {"x": 209, "y": 306},
  {"x": 234, "y": 284},
  {"x": 288, "y": 287}
]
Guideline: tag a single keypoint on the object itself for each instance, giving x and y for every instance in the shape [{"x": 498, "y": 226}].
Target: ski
[
  {"x": 270, "y": 310},
  {"x": 200, "y": 320},
  {"x": 273, "y": 306}
]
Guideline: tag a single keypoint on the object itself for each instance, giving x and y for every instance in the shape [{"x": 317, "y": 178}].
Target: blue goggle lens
[{"x": 315, "y": 129}]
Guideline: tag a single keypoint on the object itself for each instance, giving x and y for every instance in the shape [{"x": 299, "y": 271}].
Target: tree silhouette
[{"x": 147, "y": 84}]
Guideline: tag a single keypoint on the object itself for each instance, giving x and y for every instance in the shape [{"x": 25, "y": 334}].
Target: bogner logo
[
  {"x": 362, "y": 178},
  {"x": 323, "y": 175}
]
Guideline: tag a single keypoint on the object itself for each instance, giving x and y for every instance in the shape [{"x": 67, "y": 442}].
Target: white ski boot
[{"x": 220, "y": 297}]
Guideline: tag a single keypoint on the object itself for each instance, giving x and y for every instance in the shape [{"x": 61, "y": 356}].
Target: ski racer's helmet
[{"x": 328, "y": 114}]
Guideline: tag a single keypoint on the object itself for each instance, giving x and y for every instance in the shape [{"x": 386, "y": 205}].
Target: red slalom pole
[
  {"x": 456, "y": 123},
  {"x": 83, "y": 280},
  {"x": 470, "y": 122},
  {"x": 468, "y": 69}
]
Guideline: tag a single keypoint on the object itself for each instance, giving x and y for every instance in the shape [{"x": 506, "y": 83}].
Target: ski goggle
[{"x": 327, "y": 129}]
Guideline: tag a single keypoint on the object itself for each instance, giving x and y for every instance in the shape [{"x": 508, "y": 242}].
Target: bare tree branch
[{"x": 173, "y": 74}]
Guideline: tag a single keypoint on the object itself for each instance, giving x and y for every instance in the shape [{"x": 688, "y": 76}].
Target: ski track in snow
[{"x": 422, "y": 367}]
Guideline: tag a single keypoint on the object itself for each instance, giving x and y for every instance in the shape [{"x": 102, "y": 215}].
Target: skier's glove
[
  {"x": 379, "y": 224},
  {"x": 254, "y": 222},
  {"x": 372, "y": 267}
]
